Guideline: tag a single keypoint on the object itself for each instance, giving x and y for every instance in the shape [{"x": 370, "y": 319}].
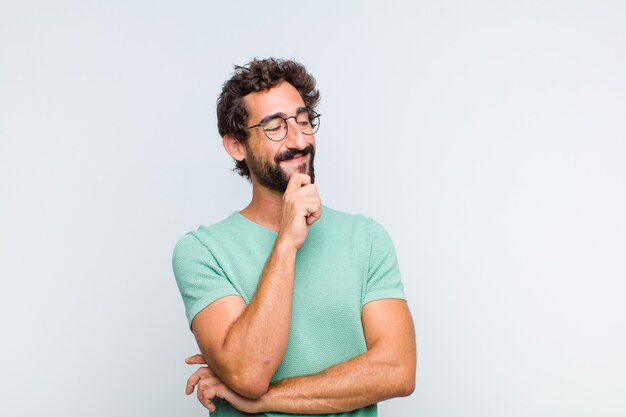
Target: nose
[{"x": 295, "y": 139}]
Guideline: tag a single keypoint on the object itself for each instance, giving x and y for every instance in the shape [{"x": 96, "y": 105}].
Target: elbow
[
  {"x": 249, "y": 386},
  {"x": 254, "y": 391},
  {"x": 406, "y": 382},
  {"x": 406, "y": 388}
]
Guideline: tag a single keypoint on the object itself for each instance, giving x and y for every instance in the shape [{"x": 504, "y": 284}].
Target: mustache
[{"x": 292, "y": 153}]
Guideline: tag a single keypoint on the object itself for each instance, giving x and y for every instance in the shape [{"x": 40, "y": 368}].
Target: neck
[{"x": 265, "y": 207}]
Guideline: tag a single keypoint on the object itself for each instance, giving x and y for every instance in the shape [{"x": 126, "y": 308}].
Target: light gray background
[{"x": 488, "y": 137}]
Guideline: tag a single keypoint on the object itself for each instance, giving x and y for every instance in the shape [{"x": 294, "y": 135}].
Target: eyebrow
[{"x": 281, "y": 114}]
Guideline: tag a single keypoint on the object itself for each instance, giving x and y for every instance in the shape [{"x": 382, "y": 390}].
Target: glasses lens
[
  {"x": 308, "y": 121},
  {"x": 275, "y": 128}
]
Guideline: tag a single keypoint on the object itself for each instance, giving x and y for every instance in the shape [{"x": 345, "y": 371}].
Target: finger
[
  {"x": 313, "y": 207},
  {"x": 196, "y": 359},
  {"x": 305, "y": 190},
  {"x": 208, "y": 382},
  {"x": 191, "y": 384},
  {"x": 296, "y": 181},
  {"x": 206, "y": 402},
  {"x": 310, "y": 204},
  {"x": 200, "y": 395},
  {"x": 206, "y": 396},
  {"x": 307, "y": 205},
  {"x": 314, "y": 216},
  {"x": 195, "y": 377}
]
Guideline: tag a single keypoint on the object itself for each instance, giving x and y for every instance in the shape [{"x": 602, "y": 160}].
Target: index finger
[
  {"x": 196, "y": 377},
  {"x": 192, "y": 382},
  {"x": 296, "y": 181}
]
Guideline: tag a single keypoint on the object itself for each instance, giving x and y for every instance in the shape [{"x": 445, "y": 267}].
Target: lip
[{"x": 296, "y": 160}]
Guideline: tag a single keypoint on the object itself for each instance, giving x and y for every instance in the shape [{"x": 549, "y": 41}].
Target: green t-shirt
[{"x": 345, "y": 262}]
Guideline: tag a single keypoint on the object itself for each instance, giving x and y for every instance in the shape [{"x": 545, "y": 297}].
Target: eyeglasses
[{"x": 275, "y": 127}]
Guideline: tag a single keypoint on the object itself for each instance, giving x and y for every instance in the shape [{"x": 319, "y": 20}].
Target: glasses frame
[{"x": 315, "y": 129}]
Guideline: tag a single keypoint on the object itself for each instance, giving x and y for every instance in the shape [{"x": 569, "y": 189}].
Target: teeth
[{"x": 294, "y": 157}]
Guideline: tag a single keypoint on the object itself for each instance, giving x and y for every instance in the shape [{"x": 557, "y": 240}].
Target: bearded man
[{"x": 297, "y": 308}]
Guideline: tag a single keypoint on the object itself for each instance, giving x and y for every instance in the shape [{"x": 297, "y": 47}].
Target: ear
[{"x": 234, "y": 147}]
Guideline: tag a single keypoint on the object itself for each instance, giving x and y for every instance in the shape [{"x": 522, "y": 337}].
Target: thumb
[{"x": 196, "y": 359}]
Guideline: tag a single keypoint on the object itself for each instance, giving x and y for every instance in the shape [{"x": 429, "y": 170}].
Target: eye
[
  {"x": 273, "y": 129},
  {"x": 303, "y": 119},
  {"x": 274, "y": 125},
  {"x": 313, "y": 119}
]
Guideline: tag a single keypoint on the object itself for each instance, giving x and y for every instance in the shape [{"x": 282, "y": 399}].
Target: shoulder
[
  {"x": 364, "y": 232},
  {"x": 356, "y": 222},
  {"x": 336, "y": 217},
  {"x": 199, "y": 240}
]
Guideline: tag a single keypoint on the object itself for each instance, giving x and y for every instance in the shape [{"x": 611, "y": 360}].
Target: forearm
[
  {"x": 255, "y": 343},
  {"x": 386, "y": 370},
  {"x": 369, "y": 378}
]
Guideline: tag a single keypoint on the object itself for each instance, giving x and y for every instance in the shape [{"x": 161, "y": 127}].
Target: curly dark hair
[{"x": 258, "y": 75}]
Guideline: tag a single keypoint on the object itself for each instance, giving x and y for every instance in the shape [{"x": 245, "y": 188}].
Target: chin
[{"x": 302, "y": 169}]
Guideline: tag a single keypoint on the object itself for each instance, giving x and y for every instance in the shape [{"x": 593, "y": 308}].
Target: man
[{"x": 296, "y": 308}]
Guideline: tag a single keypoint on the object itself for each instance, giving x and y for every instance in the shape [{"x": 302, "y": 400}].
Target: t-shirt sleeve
[
  {"x": 383, "y": 275},
  {"x": 200, "y": 279}
]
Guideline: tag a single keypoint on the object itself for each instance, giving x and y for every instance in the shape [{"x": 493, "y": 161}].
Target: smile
[{"x": 298, "y": 159}]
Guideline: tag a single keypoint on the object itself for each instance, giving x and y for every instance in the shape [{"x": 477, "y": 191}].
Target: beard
[{"x": 273, "y": 176}]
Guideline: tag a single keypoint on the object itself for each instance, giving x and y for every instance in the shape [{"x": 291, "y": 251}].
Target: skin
[{"x": 244, "y": 345}]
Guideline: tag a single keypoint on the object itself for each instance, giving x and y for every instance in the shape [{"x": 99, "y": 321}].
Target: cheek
[
  {"x": 252, "y": 148},
  {"x": 275, "y": 149},
  {"x": 265, "y": 152}
]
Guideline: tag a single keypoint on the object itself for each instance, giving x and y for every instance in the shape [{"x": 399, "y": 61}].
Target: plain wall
[{"x": 489, "y": 138}]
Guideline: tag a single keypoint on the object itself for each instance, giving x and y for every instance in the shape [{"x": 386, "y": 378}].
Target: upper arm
[
  {"x": 383, "y": 278},
  {"x": 200, "y": 278},
  {"x": 212, "y": 303},
  {"x": 210, "y": 327},
  {"x": 389, "y": 331},
  {"x": 386, "y": 319}
]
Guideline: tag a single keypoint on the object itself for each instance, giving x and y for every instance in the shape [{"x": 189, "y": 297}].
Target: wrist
[
  {"x": 284, "y": 247},
  {"x": 263, "y": 404}
]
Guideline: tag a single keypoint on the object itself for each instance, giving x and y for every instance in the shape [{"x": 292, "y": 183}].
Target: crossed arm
[
  {"x": 244, "y": 345},
  {"x": 386, "y": 370}
]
